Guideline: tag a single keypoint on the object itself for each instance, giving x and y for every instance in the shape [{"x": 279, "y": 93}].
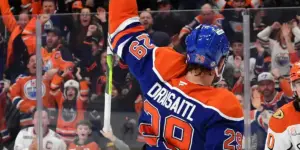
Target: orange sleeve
[
  {"x": 36, "y": 7},
  {"x": 8, "y": 18},
  {"x": 17, "y": 98},
  {"x": 286, "y": 88},
  {"x": 28, "y": 36},
  {"x": 55, "y": 88},
  {"x": 175, "y": 67},
  {"x": 56, "y": 83},
  {"x": 84, "y": 90},
  {"x": 122, "y": 10}
]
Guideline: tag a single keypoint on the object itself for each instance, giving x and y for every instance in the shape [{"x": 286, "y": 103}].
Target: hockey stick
[{"x": 108, "y": 88}]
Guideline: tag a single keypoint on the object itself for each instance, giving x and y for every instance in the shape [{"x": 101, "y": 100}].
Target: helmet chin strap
[{"x": 219, "y": 75}]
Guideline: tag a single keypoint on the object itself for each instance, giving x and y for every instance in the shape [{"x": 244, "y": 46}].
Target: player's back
[
  {"x": 177, "y": 114},
  {"x": 183, "y": 115}
]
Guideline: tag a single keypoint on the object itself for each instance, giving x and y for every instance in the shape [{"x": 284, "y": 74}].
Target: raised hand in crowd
[
  {"x": 101, "y": 14},
  {"x": 276, "y": 26},
  {"x": 109, "y": 135},
  {"x": 67, "y": 72},
  {"x": 256, "y": 99},
  {"x": 78, "y": 76},
  {"x": 238, "y": 61},
  {"x": 92, "y": 29},
  {"x": 50, "y": 74},
  {"x": 120, "y": 145},
  {"x": 259, "y": 48},
  {"x": 286, "y": 30},
  {"x": 44, "y": 18}
]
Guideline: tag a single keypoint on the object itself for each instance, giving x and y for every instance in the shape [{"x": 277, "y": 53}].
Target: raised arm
[
  {"x": 8, "y": 18},
  {"x": 132, "y": 44}
]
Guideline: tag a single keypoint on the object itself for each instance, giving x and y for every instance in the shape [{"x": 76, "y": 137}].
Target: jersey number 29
[{"x": 151, "y": 132}]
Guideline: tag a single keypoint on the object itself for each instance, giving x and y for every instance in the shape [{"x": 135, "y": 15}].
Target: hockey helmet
[
  {"x": 71, "y": 84},
  {"x": 206, "y": 45}
]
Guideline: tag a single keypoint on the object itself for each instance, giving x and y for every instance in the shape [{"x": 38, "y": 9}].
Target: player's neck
[{"x": 199, "y": 79}]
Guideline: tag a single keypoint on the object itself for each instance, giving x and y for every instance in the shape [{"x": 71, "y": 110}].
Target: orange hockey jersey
[
  {"x": 67, "y": 128},
  {"x": 90, "y": 145},
  {"x": 283, "y": 132},
  {"x": 54, "y": 60},
  {"x": 23, "y": 96}
]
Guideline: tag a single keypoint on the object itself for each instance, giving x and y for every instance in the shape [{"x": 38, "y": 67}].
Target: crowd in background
[{"x": 74, "y": 35}]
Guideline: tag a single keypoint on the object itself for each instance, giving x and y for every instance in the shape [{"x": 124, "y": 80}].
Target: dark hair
[
  {"x": 191, "y": 67},
  {"x": 43, "y": 109},
  {"x": 85, "y": 123},
  {"x": 29, "y": 56}
]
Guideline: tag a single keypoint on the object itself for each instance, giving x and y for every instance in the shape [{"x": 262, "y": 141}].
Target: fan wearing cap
[
  {"x": 71, "y": 103},
  {"x": 283, "y": 132},
  {"x": 76, "y": 9},
  {"x": 272, "y": 99}
]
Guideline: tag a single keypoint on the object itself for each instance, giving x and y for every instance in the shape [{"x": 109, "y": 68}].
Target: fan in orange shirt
[{"x": 83, "y": 140}]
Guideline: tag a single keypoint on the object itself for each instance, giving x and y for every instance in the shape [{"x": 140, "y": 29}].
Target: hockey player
[
  {"x": 71, "y": 103},
  {"x": 27, "y": 138},
  {"x": 84, "y": 140},
  {"x": 283, "y": 130},
  {"x": 23, "y": 93},
  {"x": 181, "y": 110}
]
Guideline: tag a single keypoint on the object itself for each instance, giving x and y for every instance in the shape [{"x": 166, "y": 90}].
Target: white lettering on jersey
[
  {"x": 181, "y": 83},
  {"x": 172, "y": 102}
]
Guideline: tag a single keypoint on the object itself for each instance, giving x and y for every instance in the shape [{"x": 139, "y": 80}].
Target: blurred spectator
[
  {"x": 167, "y": 21},
  {"x": 50, "y": 8},
  {"x": 235, "y": 67},
  {"x": 76, "y": 9},
  {"x": 17, "y": 55},
  {"x": 71, "y": 103},
  {"x": 159, "y": 38},
  {"x": 84, "y": 27},
  {"x": 23, "y": 92},
  {"x": 222, "y": 84},
  {"x": 272, "y": 99},
  {"x": 207, "y": 16},
  {"x": 84, "y": 139},
  {"x": 282, "y": 48},
  {"x": 27, "y": 138},
  {"x": 55, "y": 55},
  {"x": 233, "y": 12},
  {"x": 116, "y": 144},
  {"x": 263, "y": 59},
  {"x": 4, "y": 133}
]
